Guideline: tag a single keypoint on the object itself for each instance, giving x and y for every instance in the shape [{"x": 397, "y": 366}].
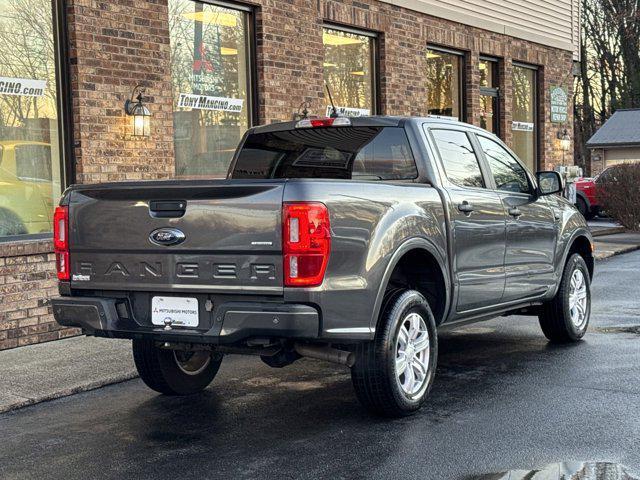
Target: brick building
[{"x": 208, "y": 70}]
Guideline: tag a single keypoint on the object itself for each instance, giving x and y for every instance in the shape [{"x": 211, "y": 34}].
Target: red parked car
[
  {"x": 586, "y": 199},
  {"x": 587, "y": 194}
]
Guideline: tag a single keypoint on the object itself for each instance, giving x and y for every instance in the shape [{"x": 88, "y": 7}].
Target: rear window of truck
[{"x": 365, "y": 153}]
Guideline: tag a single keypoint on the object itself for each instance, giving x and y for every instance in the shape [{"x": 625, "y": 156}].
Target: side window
[
  {"x": 387, "y": 157},
  {"x": 458, "y": 157},
  {"x": 509, "y": 175}
]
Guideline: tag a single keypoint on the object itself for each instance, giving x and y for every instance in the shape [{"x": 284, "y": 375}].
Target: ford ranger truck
[{"x": 346, "y": 240}]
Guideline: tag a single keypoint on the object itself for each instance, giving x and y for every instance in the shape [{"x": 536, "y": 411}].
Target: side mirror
[{"x": 549, "y": 183}]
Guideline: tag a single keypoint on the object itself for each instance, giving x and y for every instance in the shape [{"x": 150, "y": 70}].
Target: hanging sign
[
  {"x": 23, "y": 87},
  {"x": 206, "y": 102},
  {"x": 522, "y": 126},
  {"x": 349, "y": 112},
  {"x": 559, "y": 104}
]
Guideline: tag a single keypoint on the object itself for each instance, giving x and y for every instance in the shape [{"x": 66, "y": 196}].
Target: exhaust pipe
[{"x": 326, "y": 353}]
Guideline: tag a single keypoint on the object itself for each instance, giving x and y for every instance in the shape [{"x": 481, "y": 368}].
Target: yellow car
[{"x": 26, "y": 187}]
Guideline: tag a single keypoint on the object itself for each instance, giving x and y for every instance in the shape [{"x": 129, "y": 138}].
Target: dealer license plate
[{"x": 181, "y": 311}]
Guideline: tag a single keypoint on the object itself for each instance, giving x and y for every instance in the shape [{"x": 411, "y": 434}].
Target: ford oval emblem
[{"x": 167, "y": 236}]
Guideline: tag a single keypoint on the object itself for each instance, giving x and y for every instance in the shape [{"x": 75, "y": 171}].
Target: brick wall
[
  {"x": 115, "y": 44},
  {"x": 27, "y": 280}
]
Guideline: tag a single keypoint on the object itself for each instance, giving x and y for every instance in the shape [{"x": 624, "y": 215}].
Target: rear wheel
[
  {"x": 566, "y": 317},
  {"x": 394, "y": 373},
  {"x": 174, "y": 372},
  {"x": 582, "y": 207}
]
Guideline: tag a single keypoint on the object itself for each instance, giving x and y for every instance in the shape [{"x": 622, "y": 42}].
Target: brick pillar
[
  {"x": 472, "y": 87},
  {"x": 505, "y": 69},
  {"x": 289, "y": 57}
]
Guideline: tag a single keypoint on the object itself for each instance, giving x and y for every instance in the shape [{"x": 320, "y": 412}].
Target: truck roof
[{"x": 368, "y": 121}]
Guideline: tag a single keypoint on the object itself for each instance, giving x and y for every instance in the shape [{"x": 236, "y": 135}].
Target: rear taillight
[
  {"x": 306, "y": 243},
  {"x": 324, "y": 122},
  {"x": 61, "y": 241}
]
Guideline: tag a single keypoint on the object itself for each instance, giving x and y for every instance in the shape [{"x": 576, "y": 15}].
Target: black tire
[
  {"x": 374, "y": 373},
  {"x": 10, "y": 223},
  {"x": 555, "y": 317},
  {"x": 583, "y": 208},
  {"x": 159, "y": 369}
]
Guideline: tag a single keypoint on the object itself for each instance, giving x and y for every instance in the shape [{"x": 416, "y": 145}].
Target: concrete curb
[
  {"x": 600, "y": 232},
  {"x": 608, "y": 250},
  {"x": 28, "y": 401},
  {"x": 38, "y": 373}
]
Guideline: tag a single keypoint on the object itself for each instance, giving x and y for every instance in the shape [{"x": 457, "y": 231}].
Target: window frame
[
  {"x": 251, "y": 46},
  {"x": 462, "y": 76},
  {"x": 536, "y": 110},
  {"x": 493, "y": 92},
  {"x": 532, "y": 183},
  {"x": 374, "y": 39},
  {"x": 66, "y": 163},
  {"x": 487, "y": 178}
]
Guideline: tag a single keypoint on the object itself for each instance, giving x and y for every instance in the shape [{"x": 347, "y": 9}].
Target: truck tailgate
[{"x": 231, "y": 233}]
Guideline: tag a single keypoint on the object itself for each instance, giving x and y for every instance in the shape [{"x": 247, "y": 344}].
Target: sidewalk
[
  {"x": 615, "y": 244},
  {"x": 37, "y": 373}
]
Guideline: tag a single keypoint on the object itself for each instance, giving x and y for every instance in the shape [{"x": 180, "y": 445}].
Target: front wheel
[
  {"x": 565, "y": 318},
  {"x": 394, "y": 373},
  {"x": 174, "y": 372}
]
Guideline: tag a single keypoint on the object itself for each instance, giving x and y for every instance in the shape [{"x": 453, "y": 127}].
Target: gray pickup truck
[{"x": 347, "y": 240}]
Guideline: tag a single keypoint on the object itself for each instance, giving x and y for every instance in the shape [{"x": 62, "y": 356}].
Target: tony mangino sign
[
  {"x": 22, "y": 87},
  {"x": 206, "y": 102}
]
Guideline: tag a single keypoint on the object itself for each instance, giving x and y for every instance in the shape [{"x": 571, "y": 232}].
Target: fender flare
[
  {"x": 582, "y": 232},
  {"x": 415, "y": 243}
]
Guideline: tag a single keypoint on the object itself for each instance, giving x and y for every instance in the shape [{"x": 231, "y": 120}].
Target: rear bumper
[{"x": 230, "y": 323}]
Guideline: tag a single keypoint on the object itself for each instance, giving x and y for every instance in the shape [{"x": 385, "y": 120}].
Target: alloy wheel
[{"x": 412, "y": 354}]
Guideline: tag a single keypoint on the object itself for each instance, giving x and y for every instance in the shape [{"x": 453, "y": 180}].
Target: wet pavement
[{"x": 505, "y": 404}]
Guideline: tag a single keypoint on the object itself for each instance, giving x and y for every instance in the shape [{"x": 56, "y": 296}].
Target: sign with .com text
[
  {"x": 22, "y": 87},
  {"x": 206, "y": 102},
  {"x": 559, "y": 104},
  {"x": 349, "y": 111}
]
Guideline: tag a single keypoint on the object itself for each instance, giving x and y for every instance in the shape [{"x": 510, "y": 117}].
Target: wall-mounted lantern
[
  {"x": 565, "y": 140},
  {"x": 136, "y": 108}
]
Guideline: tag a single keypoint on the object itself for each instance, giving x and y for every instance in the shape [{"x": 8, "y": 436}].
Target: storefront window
[
  {"x": 349, "y": 72},
  {"x": 444, "y": 81},
  {"x": 524, "y": 124},
  {"x": 210, "y": 80},
  {"x": 30, "y": 154},
  {"x": 489, "y": 119}
]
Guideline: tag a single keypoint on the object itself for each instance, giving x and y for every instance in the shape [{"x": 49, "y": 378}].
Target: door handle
[
  {"x": 167, "y": 208},
  {"x": 465, "y": 207},
  {"x": 515, "y": 212}
]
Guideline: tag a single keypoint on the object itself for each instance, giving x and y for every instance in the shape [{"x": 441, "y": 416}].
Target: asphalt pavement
[{"x": 503, "y": 399}]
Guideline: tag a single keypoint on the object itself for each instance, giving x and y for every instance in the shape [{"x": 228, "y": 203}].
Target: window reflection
[
  {"x": 524, "y": 112},
  {"x": 30, "y": 154},
  {"x": 348, "y": 71},
  {"x": 210, "y": 82},
  {"x": 458, "y": 158},
  {"x": 443, "y": 83}
]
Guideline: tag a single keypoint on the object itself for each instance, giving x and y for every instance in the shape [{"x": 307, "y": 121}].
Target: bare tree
[{"x": 610, "y": 68}]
